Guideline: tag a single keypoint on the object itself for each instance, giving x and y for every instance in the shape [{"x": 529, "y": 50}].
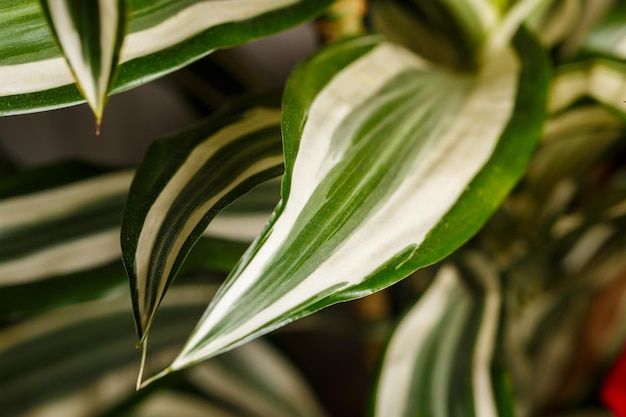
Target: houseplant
[{"x": 396, "y": 151}]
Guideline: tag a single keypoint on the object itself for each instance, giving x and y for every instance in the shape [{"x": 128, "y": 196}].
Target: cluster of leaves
[{"x": 396, "y": 151}]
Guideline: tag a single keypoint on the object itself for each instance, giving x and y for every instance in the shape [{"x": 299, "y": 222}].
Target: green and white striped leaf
[
  {"x": 182, "y": 183},
  {"x": 59, "y": 237},
  {"x": 600, "y": 79},
  {"x": 90, "y": 34},
  {"x": 556, "y": 20},
  {"x": 454, "y": 33},
  {"x": 447, "y": 32},
  {"x": 81, "y": 362},
  {"x": 391, "y": 164},
  {"x": 162, "y": 37},
  {"x": 63, "y": 229},
  {"x": 608, "y": 36},
  {"x": 444, "y": 357}
]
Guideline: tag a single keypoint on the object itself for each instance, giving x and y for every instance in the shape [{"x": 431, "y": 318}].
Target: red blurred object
[{"x": 613, "y": 391}]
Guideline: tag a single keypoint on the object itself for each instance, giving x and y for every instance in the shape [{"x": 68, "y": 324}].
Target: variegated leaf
[
  {"x": 182, "y": 183},
  {"x": 608, "y": 36},
  {"x": 600, "y": 79},
  {"x": 444, "y": 358},
  {"x": 556, "y": 21},
  {"x": 161, "y": 37},
  {"x": 449, "y": 32},
  {"x": 59, "y": 236},
  {"x": 391, "y": 164},
  {"x": 81, "y": 362},
  {"x": 454, "y": 33},
  {"x": 63, "y": 229},
  {"x": 90, "y": 34}
]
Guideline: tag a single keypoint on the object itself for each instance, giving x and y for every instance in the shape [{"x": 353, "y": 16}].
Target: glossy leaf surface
[
  {"x": 90, "y": 34},
  {"x": 389, "y": 161},
  {"x": 182, "y": 183},
  {"x": 161, "y": 37}
]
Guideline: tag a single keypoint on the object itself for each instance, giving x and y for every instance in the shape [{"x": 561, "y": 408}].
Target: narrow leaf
[
  {"x": 442, "y": 358},
  {"x": 62, "y": 229},
  {"x": 80, "y": 360},
  {"x": 600, "y": 79},
  {"x": 162, "y": 37},
  {"x": 182, "y": 183},
  {"x": 90, "y": 34},
  {"x": 391, "y": 164},
  {"x": 59, "y": 236}
]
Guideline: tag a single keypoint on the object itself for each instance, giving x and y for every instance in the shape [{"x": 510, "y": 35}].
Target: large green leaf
[
  {"x": 445, "y": 357},
  {"x": 162, "y": 36},
  {"x": 391, "y": 164},
  {"x": 90, "y": 34},
  {"x": 182, "y": 183}
]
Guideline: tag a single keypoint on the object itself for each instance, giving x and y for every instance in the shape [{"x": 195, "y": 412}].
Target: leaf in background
[
  {"x": 161, "y": 37},
  {"x": 62, "y": 229},
  {"x": 608, "y": 37},
  {"x": 556, "y": 21},
  {"x": 391, "y": 164},
  {"x": 445, "y": 358},
  {"x": 600, "y": 79},
  {"x": 447, "y": 32},
  {"x": 182, "y": 183},
  {"x": 572, "y": 141},
  {"x": 59, "y": 236},
  {"x": 80, "y": 362},
  {"x": 90, "y": 34}
]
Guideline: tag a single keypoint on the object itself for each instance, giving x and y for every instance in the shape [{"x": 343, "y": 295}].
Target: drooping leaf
[
  {"x": 445, "y": 356},
  {"x": 182, "y": 183},
  {"x": 90, "y": 34},
  {"x": 162, "y": 37},
  {"x": 391, "y": 164},
  {"x": 59, "y": 236}
]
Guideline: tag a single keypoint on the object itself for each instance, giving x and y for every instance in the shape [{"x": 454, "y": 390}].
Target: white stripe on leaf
[
  {"x": 92, "y": 61},
  {"x": 484, "y": 401},
  {"x": 185, "y": 24},
  {"x": 155, "y": 243},
  {"x": 408, "y": 342},
  {"x": 455, "y": 149},
  {"x": 431, "y": 346},
  {"x": 25, "y": 210},
  {"x": 84, "y": 252}
]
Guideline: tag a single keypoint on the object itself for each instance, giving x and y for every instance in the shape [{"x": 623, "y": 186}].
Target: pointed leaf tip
[
  {"x": 90, "y": 35},
  {"x": 378, "y": 181},
  {"x": 199, "y": 173}
]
